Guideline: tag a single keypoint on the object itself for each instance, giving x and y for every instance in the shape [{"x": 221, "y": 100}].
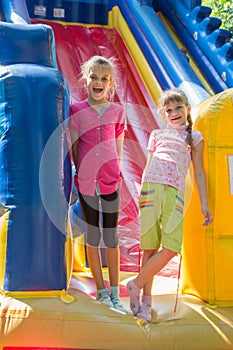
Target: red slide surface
[{"x": 74, "y": 45}]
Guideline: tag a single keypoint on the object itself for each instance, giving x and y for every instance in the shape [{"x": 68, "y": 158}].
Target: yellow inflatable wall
[{"x": 208, "y": 251}]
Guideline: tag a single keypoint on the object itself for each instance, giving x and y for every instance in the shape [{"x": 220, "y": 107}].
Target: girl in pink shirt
[
  {"x": 170, "y": 152},
  {"x": 97, "y": 135}
]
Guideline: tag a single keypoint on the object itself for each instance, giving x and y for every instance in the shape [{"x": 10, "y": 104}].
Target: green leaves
[{"x": 222, "y": 9}]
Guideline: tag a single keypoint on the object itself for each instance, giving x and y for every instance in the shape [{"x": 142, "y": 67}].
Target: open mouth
[{"x": 97, "y": 90}]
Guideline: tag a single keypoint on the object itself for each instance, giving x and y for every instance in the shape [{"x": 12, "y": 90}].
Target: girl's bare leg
[
  {"x": 147, "y": 255},
  {"x": 113, "y": 262},
  {"x": 95, "y": 262},
  {"x": 153, "y": 265}
]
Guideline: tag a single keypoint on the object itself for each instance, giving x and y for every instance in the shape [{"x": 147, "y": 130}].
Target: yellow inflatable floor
[{"x": 49, "y": 323}]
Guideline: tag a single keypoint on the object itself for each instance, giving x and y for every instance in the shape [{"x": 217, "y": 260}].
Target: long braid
[{"x": 189, "y": 138}]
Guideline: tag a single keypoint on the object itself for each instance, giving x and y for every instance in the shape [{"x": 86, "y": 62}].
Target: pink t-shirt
[
  {"x": 98, "y": 164},
  {"x": 171, "y": 156}
]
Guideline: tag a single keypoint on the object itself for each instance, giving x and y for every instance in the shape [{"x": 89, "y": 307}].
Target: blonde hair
[
  {"x": 177, "y": 95},
  {"x": 101, "y": 61}
]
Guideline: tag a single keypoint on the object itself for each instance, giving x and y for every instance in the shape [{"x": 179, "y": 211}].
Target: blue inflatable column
[{"x": 34, "y": 103}]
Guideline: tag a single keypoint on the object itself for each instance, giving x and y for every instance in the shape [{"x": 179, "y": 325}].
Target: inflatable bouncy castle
[{"x": 47, "y": 297}]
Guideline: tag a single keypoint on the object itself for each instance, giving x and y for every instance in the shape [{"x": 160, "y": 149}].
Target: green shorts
[{"x": 161, "y": 217}]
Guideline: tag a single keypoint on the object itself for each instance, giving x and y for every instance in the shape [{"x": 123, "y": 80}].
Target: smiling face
[
  {"x": 175, "y": 113},
  {"x": 98, "y": 81}
]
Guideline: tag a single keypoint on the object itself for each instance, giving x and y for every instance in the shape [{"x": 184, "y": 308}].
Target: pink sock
[
  {"x": 134, "y": 293},
  {"x": 145, "y": 311}
]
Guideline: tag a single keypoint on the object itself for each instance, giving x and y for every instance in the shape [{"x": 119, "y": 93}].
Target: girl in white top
[{"x": 170, "y": 152}]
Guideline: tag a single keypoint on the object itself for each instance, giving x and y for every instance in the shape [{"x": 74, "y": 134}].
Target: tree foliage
[{"x": 222, "y": 9}]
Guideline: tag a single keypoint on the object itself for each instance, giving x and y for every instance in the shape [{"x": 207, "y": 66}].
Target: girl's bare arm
[{"x": 200, "y": 179}]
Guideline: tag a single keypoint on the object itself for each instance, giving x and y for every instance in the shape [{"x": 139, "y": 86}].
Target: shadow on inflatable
[{"x": 47, "y": 298}]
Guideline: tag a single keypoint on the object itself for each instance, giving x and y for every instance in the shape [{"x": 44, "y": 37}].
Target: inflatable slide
[{"x": 47, "y": 296}]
